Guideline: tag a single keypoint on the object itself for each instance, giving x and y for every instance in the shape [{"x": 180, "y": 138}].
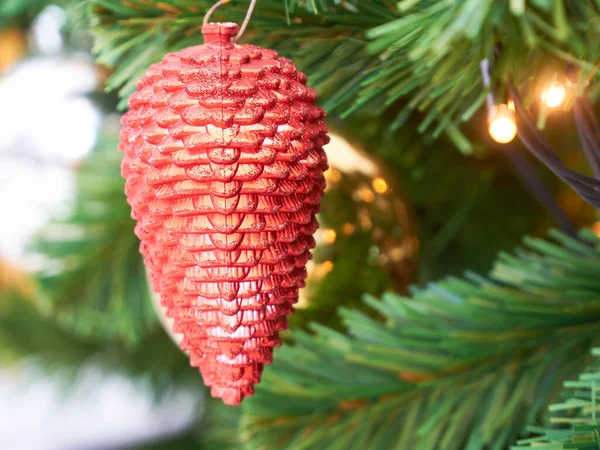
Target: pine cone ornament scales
[{"x": 224, "y": 161}]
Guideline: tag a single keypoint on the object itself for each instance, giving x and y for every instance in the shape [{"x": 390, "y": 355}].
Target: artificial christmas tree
[{"x": 463, "y": 361}]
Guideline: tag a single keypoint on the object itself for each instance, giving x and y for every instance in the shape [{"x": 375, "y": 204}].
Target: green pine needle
[
  {"x": 428, "y": 50},
  {"x": 460, "y": 365},
  {"x": 94, "y": 279},
  {"x": 574, "y": 418}
]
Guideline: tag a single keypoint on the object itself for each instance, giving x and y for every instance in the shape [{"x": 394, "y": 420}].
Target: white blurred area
[
  {"x": 99, "y": 413},
  {"x": 47, "y": 125}
]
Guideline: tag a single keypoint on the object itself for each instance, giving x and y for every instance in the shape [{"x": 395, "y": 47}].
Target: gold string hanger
[{"x": 214, "y": 7}]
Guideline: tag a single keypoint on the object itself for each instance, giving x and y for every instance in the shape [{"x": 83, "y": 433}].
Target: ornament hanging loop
[{"x": 220, "y": 3}]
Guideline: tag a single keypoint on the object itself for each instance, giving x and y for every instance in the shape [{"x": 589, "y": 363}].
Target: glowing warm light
[
  {"x": 13, "y": 45},
  {"x": 327, "y": 266},
  {"x": 511, "y": 105},
  {"x": 554, "y": 94},
  {"x": 329, "y": 235},
  {"x": 380, "y": 185},
  {"x": 333, "y": 175},
  {"x": 365, "y": 220},
  {"x": 348, "y": 228},
  {"x": 319, "y": 271},
  {"x": 503, "y": 127},
  {"x": 398, "y": 253},
  {"x": 365, "y": 194},
  {"x": 596, "y": 228}
]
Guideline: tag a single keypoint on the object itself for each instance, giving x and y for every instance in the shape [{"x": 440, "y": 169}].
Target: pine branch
[
  {"x": 94, "y": 279},
  {"x": 169, "y": 26},
  {"x": 19, "y": 11},
  {"x": 423, "y": 54},
  {"x": 575, "y": 418},
  {"x": 463, "y": 364},
  {"x": 220, "y": 427},
  {"x": 26, "y": 332}
]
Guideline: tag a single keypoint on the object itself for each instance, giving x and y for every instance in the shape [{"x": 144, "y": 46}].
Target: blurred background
[
  {"x": 53, "y": 115},
  {"x": 87, "y": 360}
]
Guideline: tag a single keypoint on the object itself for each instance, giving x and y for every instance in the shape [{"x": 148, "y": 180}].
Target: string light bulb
[
  {"x": 554, "y": 94},
  {"x": 502, "y": 124}
]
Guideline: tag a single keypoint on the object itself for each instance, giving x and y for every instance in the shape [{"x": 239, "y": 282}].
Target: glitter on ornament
[{"x": 224, "y": 165}]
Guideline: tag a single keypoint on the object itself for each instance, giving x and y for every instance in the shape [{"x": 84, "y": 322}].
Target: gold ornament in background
[
  {"x": 364, "y": 204},
  {"x": 361, "y": 202},
  {"x": 13, "y": 45}
]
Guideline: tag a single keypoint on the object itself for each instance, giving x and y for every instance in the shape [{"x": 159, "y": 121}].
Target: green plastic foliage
[
  {"x": 94, "y": 279},
  {"x": 28, "y": 332},
  {"x": 369, "y": 55},
  {"x": 463, "y": 364},
  {"x": 130, "y": 36},
  {"x": 19, "y": 12},
  {"x": 93, "y": 304},
  {"x": 575, "y": 419}
]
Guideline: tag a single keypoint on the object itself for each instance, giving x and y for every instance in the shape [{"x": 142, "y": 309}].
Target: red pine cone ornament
[{"x": 224, "y": 161}]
